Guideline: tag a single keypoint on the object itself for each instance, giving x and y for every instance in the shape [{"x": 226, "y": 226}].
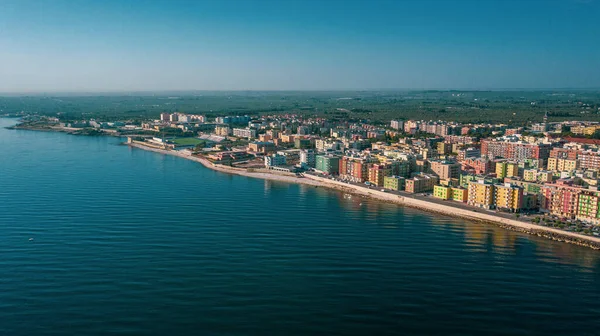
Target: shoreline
[{"x": 423, "y": 205}]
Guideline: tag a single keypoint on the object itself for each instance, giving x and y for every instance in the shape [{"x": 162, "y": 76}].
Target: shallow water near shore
[{"x": 96, "y": 238}]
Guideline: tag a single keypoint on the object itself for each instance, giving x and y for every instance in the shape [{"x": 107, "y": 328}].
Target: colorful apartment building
[
  {"x": 589, "y": 160},
  {"x": 560, "y": 199},
  {"x": 442, "y": 192},
  {"x": 328, "y": 164},
  {"x": 479, "y": 165},
  {"x": 355, "y": 169},
  {"x": 421, "y": 183},
  {"x": 508, "y": 197},
  {"x": 561, "y": 165},
  {"x": 481, "y": 194},
  {"x": 394, "y": 182},
  {"x": 506, "y": 169},
  {"x": 587, "y": 207},
  {"x": 377, "y": 172},
  {"x": 444, "y": 169},
  {"x": 460, "y": 194}
]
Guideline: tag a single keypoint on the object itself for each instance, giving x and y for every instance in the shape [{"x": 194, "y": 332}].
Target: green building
[
  {"x": 401, "y": 168},
  {"x": 443, "y": 192},
  {"x": 328, "y": 164},
  {"x": 466, "y": 178},
  {"x": 394, "y": 182},
  {"x": 302, "y": 143}
]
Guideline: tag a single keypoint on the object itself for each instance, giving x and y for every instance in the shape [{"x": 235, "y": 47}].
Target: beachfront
[{"x": 452, "y": 209}]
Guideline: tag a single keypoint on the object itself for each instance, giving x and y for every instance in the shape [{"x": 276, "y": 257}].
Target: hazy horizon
[{"x": 267, "y": 45}]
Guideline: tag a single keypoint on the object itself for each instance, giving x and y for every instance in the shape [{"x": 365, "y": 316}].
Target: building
[
  {"x": 377, "y": 172},
  {"x": 308, "y": 158},
  {"x": 444, "y": 169},
  {"x": 459, "y": 194},
  {"x": 468, "y": 153},
  {"x": 561, "y": 165},
  {"x": 174, "y": 117},
  {"x": 397, "y": 124},
  {"x": 589, "y": 160},
  {"x": 261, "y": 147},
  {"x": 275, "y": 160},
  {"x": 164, "y": 116},
  {"x": 244, "y": 132},
  {"x": 394, "y": 182},
  {"x": 508, "y": 197},
  {"x": 355, "y": 169},
  {"x": 444, "y": 148},
  {"x": 328, "y": 164},
  {"x": 514, "y": 150},
  {"x": 588, "y": 207},
  {"x": 302, "y": 143},
  {"x": 481, "y": 194},
  {"x": 507, "y": 169},
  {"x": 442, "y": 192},
  {"x": 479, "y": 166},
  {"x": 421, "y": 183},
  {"x": 222, "y": 130},
  {"x": 560, "y": 198},
  {"x": 400, "y": 168}
]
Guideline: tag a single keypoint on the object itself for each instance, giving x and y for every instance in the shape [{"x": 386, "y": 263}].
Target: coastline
[{"x": 424, "y": 205}]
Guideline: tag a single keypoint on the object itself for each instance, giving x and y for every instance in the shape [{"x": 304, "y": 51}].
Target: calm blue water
[{"x": 131, "y": 242}]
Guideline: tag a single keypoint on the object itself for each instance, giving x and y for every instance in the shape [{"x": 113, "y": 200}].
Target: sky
[{"x": 152, "y": 45}]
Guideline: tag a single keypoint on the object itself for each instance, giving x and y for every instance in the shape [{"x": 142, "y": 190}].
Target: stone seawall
[{"x": 538, "y": 230}]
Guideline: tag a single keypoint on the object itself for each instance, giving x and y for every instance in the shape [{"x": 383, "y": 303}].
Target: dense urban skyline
[{"x": 297, "y": 45}]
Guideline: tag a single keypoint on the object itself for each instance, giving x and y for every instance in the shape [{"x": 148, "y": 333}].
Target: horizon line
[{"x": 97, "y": 92}]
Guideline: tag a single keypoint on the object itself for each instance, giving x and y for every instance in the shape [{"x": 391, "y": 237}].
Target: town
[{"x": 545, "y": 173}]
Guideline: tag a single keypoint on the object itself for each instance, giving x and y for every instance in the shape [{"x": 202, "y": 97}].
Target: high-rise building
[
  {"x": 508, "y": 197},
  {"x": 328, "y": 164},
  {"x": 481, "y": 194},
  {"x": 308, "y": 157},
  {"x": 164, "y": 116},
  {"x": 394, "y": 182},
  {"x": 397, "y": 124},
  {"x": 377, "y": 172},
  {"x": 445, "y": 170}
]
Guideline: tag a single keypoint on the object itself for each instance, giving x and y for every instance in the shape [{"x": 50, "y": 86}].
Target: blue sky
[{"x": 109, "y": 45}]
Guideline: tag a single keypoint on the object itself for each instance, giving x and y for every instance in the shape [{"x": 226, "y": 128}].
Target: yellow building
[
  {"x": 590, "y": 130},
  {"x": 507, "y": 169},
  {"x": 443, "y": 192},
  {"x": 508, "y": 197},
  {"x": 512, "y": 169},
  {"x": 555, "y": 164},
  {"x": 545, "y": 176},
  {"x": 481, "y": 195},
  {"x": 460, "y": 194},
  {"x": 552, "y": 164},
  {"x": 568, "y": 165},
  {"x": 501, "y": 169},
  {"x": 530, "y": 175}
]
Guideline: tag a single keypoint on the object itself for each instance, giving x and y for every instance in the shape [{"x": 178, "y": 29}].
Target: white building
[
  {"x": 308, "y": 158},
  {"x": 173, "y": 117},
  {"x": 244, "y": 133},
  {"x": 275, "y": 160},
  {"x": 397, "y": 124}
]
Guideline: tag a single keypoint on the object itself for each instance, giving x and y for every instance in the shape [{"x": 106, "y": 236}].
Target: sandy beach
[{"x": 454, "y": 210}]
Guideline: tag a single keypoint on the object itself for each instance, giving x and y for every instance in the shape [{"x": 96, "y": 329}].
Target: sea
[{"x": 97, "y": 238}]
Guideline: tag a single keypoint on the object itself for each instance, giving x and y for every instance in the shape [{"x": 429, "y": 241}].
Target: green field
[{"x": 187, "y": 141}]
